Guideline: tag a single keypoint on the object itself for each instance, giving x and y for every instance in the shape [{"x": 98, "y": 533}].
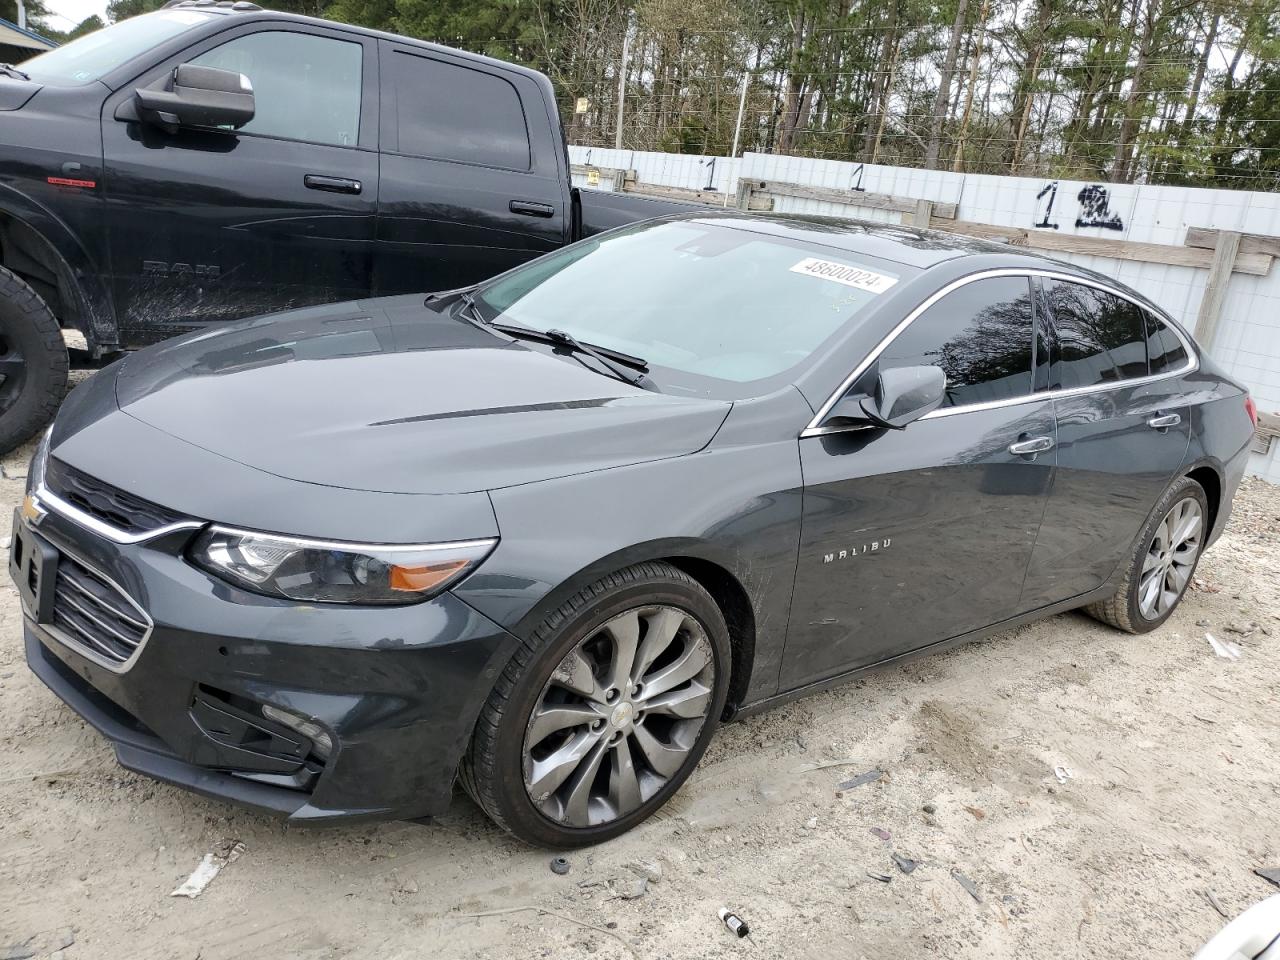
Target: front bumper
[{"x": 396, "y": 688}]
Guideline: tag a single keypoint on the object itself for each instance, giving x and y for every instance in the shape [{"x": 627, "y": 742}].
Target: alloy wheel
[
  {"x": 1170, "y": 558},
  {"x": 619, "y": 716}
]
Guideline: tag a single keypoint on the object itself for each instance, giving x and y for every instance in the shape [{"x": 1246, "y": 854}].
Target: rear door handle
[
  {"x": 527, "y": 208},
  {"x": 1029, "y": 448},
  {"x": 314, "y": 181},
  {"x": 1164, "y": 422}
]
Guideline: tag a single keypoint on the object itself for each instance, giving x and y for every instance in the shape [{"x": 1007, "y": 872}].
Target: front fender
[
  {"x": 81, "y": 276},
  {"x": 736, "y": 507}
]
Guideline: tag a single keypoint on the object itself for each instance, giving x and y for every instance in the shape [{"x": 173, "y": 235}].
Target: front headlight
[{"x": 335, "y": 572}]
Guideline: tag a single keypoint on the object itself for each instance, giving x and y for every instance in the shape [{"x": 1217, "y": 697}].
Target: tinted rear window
[
  {"x": 1101, "y": 337},
  {"x": 1164, "y": 349},
  {"x": 449, "y": 112},
  {"x": 980, "y": 335}
]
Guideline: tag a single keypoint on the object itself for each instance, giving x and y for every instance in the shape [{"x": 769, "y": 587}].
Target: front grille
[
  {"x": 100, "y": 500},
  {"x": 95, "y": 614}
]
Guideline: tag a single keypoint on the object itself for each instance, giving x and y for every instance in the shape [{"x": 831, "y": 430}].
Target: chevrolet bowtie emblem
[{"x": 32, "y": 511}]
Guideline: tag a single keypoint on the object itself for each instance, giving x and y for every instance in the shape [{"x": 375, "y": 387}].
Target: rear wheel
[
  {"x": 1165, "y": 558},
  {"x": 33, "y": 362},
  {"x": 604, "y": 711}
]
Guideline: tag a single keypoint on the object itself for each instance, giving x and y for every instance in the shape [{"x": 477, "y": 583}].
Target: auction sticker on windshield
[{"x": 858, "y": 277}]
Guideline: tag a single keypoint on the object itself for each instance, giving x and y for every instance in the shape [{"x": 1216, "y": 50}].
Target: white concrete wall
[{"x": 1247, "y": 343}]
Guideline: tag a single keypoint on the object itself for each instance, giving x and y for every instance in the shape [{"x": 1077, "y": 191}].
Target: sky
[{"x": 68, "y": 13}]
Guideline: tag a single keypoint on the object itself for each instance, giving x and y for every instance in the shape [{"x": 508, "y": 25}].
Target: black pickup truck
[{"x": 214, "y": 160}]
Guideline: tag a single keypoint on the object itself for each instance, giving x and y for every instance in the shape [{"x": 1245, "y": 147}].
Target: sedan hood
[{"x": 386, "y": 395}]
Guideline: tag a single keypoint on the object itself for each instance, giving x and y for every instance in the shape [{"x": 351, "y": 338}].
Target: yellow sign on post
[
  {"x": 593, "y": 178},
  {"x": 582, "y": 106}
]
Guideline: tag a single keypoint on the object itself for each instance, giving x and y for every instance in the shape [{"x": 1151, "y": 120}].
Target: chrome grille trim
[{"x": 93, "y": 610}]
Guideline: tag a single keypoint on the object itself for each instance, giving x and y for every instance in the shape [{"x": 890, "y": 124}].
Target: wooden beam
[
  {"x": 1254, "y": 264},
  {"x": 1215, "y": 291},
  {"x": 923, "y": 213},
  {"x": 616, "y": 176},
  {"x": 854, "y": 198},
  {"x": 1268, "y": 425},
  {"x": 712, "y": 198},
  {"x": 1207, "y": 239}
]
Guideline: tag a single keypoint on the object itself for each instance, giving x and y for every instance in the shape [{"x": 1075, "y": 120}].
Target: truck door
[
  {"x": 208, "y": 225},
  {"x": 472, "y": 180}
]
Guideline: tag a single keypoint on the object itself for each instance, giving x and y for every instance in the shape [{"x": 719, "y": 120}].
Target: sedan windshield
[
  {"x": 693, "y": 296},
  {"x": 96, "y": 54}
]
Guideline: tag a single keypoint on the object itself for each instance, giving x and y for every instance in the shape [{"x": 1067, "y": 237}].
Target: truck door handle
[
  {"x": 1029, "y": 448},
  {"x": 527, "y": 208},
  {"x": 314, "y": 181},
  {"x": 1164, "y": 422}
]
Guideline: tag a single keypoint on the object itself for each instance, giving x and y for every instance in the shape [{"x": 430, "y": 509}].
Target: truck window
[
  {"x": 448, "y": 112},
  {"x": 304, "y": 87}
]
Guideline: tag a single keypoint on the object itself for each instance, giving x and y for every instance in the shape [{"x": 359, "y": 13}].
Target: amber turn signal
[{"x": 419, "y": 579}]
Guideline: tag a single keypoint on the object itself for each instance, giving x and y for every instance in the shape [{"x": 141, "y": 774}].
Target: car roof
[
  {"x": 898, "y": 243},
  {"x": 906, "y": 245}
]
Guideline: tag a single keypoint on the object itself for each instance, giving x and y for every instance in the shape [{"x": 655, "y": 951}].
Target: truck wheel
[{"x": 33, "y": 362}]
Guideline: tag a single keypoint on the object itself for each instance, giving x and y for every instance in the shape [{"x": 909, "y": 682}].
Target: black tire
[
  {"x": 492, "y": 770},
  {"x": 34, "y": 360},
  {"x": 1123, "y": 610}
]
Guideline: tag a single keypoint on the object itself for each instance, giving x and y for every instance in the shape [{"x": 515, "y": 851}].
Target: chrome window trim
[
  {"x": 815, "y": 429},
  {"x": 46, "y": 497},
  {"x": 71, "y": 643}
]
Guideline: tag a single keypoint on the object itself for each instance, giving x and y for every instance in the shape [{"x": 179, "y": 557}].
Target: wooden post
[
  {"x": 1215, "y": 291},
  {"x": 744, "y": 194},
  {"x": 924, "y": 210}
]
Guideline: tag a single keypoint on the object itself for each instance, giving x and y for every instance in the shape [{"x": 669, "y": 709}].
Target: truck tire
[{"x": 33, "y": 362}]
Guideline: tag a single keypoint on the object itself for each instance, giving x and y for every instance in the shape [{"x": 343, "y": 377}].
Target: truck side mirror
[
  {"x": 901, "y": 396},
  {"x": 198, "y": 97}
]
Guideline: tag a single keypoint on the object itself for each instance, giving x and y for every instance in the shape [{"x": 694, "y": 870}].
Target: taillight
[{"x": 1251, "y": 409}]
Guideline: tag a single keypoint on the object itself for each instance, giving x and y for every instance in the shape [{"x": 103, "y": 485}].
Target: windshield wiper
[
  {"x": 613, "y": 360},
  {"x": 469, "y": 312},
  {"x": 9, "y": 70},
  {"x": 472, "y": 311}
]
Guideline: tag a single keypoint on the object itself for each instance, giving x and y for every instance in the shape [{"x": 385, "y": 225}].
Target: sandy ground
[{"x": 1174, "y": 791}]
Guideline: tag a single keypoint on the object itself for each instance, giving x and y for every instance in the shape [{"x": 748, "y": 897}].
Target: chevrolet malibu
[{"x": 541, "y": 535}]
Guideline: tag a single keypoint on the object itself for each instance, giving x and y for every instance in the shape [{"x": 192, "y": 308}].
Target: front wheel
[
  {"x": 604, "y": 712},
  {"x": 1165, "y": 557},
  {"x": 33, "y": 362}
]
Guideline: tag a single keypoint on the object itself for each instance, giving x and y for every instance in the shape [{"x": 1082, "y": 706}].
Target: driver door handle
[
  {"x": 1025, "y": 448},
  {"x": 527, "y": 208},
  {"x": 1164, "y": 422},
  {"x": 314, "y": 181}
]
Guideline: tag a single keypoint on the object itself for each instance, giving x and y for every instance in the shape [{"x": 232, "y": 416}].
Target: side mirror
[
  {"x": 198, "y": 97},
  {"x": 902, "y": 395}
]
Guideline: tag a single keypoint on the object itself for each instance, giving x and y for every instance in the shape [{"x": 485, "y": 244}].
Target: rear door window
[
  {"x": 1101, "y": 337},
  {"x": 1165, "y": 351},
  {"x": 980, "y": 335},
  {"x": 448, "y": 112}
]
